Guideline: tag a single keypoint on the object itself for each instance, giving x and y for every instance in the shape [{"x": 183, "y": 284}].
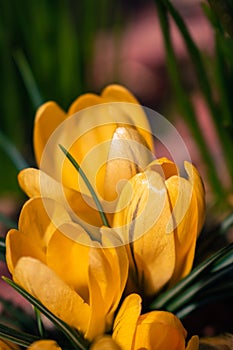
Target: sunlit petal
[
  {"x": 198, "y": 188},
  {"x": 187, "y": 214},
  {"x": 163, "y": 166},
  {"x": 48, "y": 117},
  {"x": 71, "y": 262},
  {"x": 36, "y": 183},
  {"x": 126, "y": 321},
  {"x": 52, "y": 292},
  {"x": 143, "y": 220},
  {"x": 159, "y": 330},
  {"x": 104, "y": 342}
]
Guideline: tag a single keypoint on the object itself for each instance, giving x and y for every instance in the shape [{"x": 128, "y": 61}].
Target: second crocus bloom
[{"x": 159, "y": 216}]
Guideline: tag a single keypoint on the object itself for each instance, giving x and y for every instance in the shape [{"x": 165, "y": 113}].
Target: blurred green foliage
[
  {"x": 45, "y": 44},
  {"x": 215, "y": 82},
  {"x": 47, "y": 54}
]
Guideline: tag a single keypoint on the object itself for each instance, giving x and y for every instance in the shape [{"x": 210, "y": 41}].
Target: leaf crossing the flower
[
  {"x": 88, "y": 184},
  {"x": 74, "y": 337}
]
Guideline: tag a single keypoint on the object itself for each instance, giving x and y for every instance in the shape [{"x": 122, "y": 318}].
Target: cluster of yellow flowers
[{"x": 95, "y": 282}]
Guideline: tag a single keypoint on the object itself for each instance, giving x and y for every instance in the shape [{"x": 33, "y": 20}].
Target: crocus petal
[
  {"x": 108, "y": 269},
  {"x": 126, "y": 321},
  {"x": 136, "y": 115},
  {"x": 186, "y": 213},
  {"x": 183, "y": 216},
  {"x": 48, "y": 117},
  {"x": 17, "y": 246},
  {"x": 198, "y": 188},
  {"x": 128, "y": 155},
  {"x": 52, "y": 292},
  {"x": 118, "y": 259},
  {"x": 71, "y": 262},
  {"x": 45, "y": 211},
  {"x": 104, "y": 342},
  {"x": 32, "y": 238},
  {"x": 163, "y": 166},
  {"x": 159, "y": 330},
  {"x": 84, "y": 101},
  {"x": 118, "y": 93},
  {"x": 44, "y": 345},
  {"x": 142, "y": 222},
  {"x": 193, "y": 343},
  {"x": 36, "y": 183}
]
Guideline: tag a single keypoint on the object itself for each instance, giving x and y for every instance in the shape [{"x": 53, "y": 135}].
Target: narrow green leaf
[
  {"x": 204, "y": 83},
  {"x": 75, "y": 338},
  {"x": 39, "y": 323},
  {"x": 184, "y": 102},
  {"x": 201, "y": 270},
  {"x": 17, "y": 337},
  {"x": 187, "y": 309},
  {"x": 12, "y": 152},
  {"x": 226, "y": 224},
  {"x": 2, "y": 248},
  {"x": 88, "y": 184},
  {"x": 196, "y": 290},
  {"x": 28, "y": 78}
]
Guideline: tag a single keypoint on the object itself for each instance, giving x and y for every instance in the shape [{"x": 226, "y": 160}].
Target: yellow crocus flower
[
  {"x": 104, "y": 140},
  {"x": 82, "y": 284},
  {"x": 155, "y": 330},
  {"x": 159, "y": 216}
]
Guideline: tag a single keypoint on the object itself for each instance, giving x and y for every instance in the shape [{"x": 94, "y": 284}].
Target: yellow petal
[
  {"x": 128, "y": 155},
  {"x": 163, "y": 166},
  {"x": 103, "y": 286},
  {"x": 158, "y": 330},
  {"x": 84, "y": 101},
  {"x": 143, "y": 222},
  {"x": 18, "y": 245},
  {"x": 184, "y": 224},
  {"x": 72, "y": 261},
  {"x": 44, "y": 345},
  {"x": 187, "y": 201},
  {"x": 97, "y": 289},
  {"x": 118, "y": 260},
  {"x": 126, "y": 321},
  {"x": 193, "y": 343},
  {"x": 52, "y": 292},
  {"x": 118, "y": 93},
  {"x": 36, "y": 228},
  {"x": 104, "y": 342},
  {"x": 48, "y": 117},
  {"x": 37, "y": 183},
  {"x": 131, "y": 109},
  {"x": 198, "y": 188}
]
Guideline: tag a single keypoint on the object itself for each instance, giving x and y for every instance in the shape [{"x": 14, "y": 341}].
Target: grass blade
[
  {"x": 16, "y": 337},
  {"x": 72, "y": 335},
  {"x": 88, "y": 184},
  {"x": 12, "y": 152},
  {"x": 28, "y": 78},
  {"x": 197, "y": 273},
  {"x": 184, "y": 103}
]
